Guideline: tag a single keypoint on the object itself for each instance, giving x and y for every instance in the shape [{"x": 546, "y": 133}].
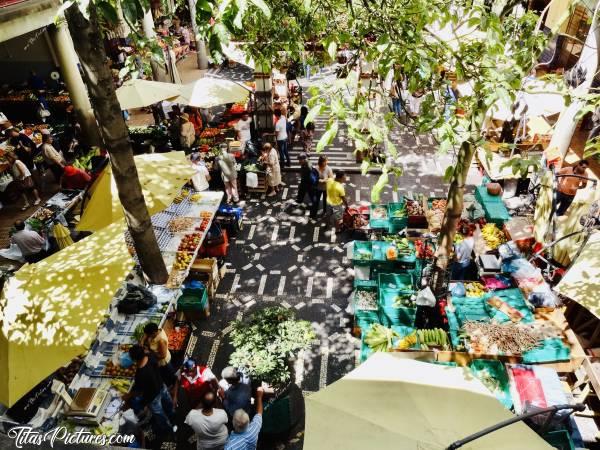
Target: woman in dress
[
  {"x": 22, "y": 176},
  {"x": 270, "y": 158}
]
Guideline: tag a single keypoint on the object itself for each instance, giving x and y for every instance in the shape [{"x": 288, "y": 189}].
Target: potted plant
[{"x": 267, "y": 343}]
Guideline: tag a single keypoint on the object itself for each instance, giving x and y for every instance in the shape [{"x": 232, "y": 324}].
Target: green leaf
[
  {"x": 364, "y": 166},
  {"x": 383, "y": 43},
  {"x": 242, "y": 7},
  {"x": 312, "y": 114},
  {"x": 260, "y": 4},
  {"x": 327, "y": 137},
  {"x": 202, "y": 5},
  {"x": 338, "y": 108},
  {"x": 108, "y": 11},
  {"x": 332, "y": 50},
  {"x": 378, "y": 187}
]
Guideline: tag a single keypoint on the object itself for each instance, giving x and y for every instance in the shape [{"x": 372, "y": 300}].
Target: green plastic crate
[
  {"x": 513, "y": 297},
  {"x": 482, "y": 196},
  {"x": 365, "y": 283},
  {"x": 496, "y": 213},
  {"x": 396, "y": 224},
  {"x": 496, "y": 370},
  {"x": 378, "y": 223},
  {"x": 365, "y": 248},
  {"x": 371, "y": 315},
  {"x": 401, "y": 316},
  {"x": 398, "y": 281},
  {"x": 560, "y": 440},
  {"x": 193, "y": 300}
]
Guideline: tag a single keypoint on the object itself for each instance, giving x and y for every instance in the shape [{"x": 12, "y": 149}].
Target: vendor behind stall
[
  {"x": 463, "y": 251},
  {"x": 242, "y": 129},
  {"x": 30, "y": 242},
  {"x": 74, "y": 178}
]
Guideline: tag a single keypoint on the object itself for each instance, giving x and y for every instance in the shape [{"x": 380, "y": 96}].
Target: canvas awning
[
  {"x": 208, "y": 92},
  {"x": 161, "y": 175},
  {"x": 391, "y": 403},
  {"x": 50, "y": 311},
  {"x": 140, "y": 93}
]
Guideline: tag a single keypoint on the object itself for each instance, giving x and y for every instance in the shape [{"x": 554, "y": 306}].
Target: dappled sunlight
[
  {"x": 161, "y": 176},
  {"x": 582, "y": 281},
  {"x": 50, "y": 311}
]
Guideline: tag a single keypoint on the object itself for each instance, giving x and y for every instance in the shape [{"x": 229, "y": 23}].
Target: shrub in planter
[{"x": 265, "y": 343}]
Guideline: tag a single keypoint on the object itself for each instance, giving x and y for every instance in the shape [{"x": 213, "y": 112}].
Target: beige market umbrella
[
  {"x": 393, "y": 403},
  {"x": 50, "y": 311},
  {"x": 140, "y": 93},
  {"x": 208, "y": 92}
]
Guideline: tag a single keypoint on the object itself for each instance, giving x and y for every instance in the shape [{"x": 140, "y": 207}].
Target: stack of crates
[
  {"x": 397, "y": 224},
  {"x": 390, "y": 287},
  {"x": 493, "y": 206},
  {"x": 365, "y": 317},
  {"x": 377, "y": 222}
]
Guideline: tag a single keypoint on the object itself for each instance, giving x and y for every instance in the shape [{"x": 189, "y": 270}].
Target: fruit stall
[
  {"x": 23, "y": 104},
  {"x": 181, "y": 230}
]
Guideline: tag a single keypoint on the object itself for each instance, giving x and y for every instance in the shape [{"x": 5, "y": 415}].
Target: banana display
[
  {"x": 435, "y": 337},
  {"x": 474, "y": 289},
  {"x": 62, "y": 235},
  {"x": 121, "y": 384},
  {"x": 181, "y": 196},
  {"x": 379, "y": 338},
  {"x": 407, "y": 341},
  {"x": 493, "y": 236}
]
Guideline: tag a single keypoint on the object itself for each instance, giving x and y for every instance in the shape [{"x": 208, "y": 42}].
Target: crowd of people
[{"x": 223, "y": 414}]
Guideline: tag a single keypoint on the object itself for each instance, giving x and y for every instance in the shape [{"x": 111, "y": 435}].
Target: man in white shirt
[
  {"x": 463, "y": 251},
  {"x": 242, "y": 128},
  {"x": 209, "y": 424},
  {"x": 282, "y": 137},
  {"x": 30, "y": 243}
]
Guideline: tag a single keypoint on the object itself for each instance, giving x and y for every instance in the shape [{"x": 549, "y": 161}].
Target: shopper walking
[
  {"x": 25, "y": 148},
  {"x": 22, "y": 176},
  {"x": 308, "y": 180},
  {"x": 336, "y": 198},
  {"x": 568, "y": 186},
  {"x": 325, "y": 174},
  {"x": 270, "y": 159},
  {"x": 209, "y": 424},
  {"x": 281, "y": 137},
  {"x": 235, "y": 392},
  {"x": 307, "y": 137},
  {"x": 149, "y": 386},
  {"x": 229, "y": 176}
]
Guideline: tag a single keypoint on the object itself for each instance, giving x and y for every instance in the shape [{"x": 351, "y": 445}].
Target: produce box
[
  {"x": 365, "y": 303},
  {"x": 416, "y": 213},
  {"x": 395, "y": 281},
  {"x": 193, "y": 300},
  {"x": 492, "y": 374},
  {"x": 560, "y": 440},
  {"x": 513, "y": 298},
  {"x": 398, "y": 216},
  {"x": 400, "y": 316},
  {"x": 496, "y": 213},
  {"x": 378, "y": 217},
  {"x": 482, "y": 196},
  {"x": 363, "y": 252},
  {"x": 393, "y": 311}
]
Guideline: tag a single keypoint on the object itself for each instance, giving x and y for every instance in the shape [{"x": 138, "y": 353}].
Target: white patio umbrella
[
  {"x": 542, "y": 99},
  {"x": 238, "y": 55},
  {"x": 391, "y": 403},
  {"x": 140, "y": 93},
  {"x": 208, "y": 92}
]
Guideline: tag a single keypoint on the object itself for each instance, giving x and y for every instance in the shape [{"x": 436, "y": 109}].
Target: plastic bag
[
  {"x": 458, "y": 290},
  {"x": 251, "y": 180}
]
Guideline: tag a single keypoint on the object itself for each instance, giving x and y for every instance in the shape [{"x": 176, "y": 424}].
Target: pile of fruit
[
  {"x": 42, "y": 214},
  {"x": 414, "y": 208},
  {"x": 182, "y": 260},
  {"x": 475, "y": 289},
  {"x": 181, "y": 196},
  {"x": 435, "y": 337},
  {"x": 114, "y": 370},
  {"x": 179, "y": 224},
  {"x": 190, "y": 243},
  {"x": 407, "y": 341},
  {"x": 209, "y": 133},
  {"x": 379, "y": 212},
  {"x": 66, "y": 374},
  {"x": 366, "y": 300},
  {"x": 176, "y": 278},
  {"x": 439, "y": 204},
  {"x": 121, "y": 385},
  {"x": 203, "y": 225},
  {"x": 195, "y": 197},
  {"x": 379, "y": 338},
  {"x": 404, "y": 300},
  {"x": 493, "y": 236},
  {"x": 205, "y": 215},
  {"x": 423, "y": 249},
  {"x": 177, "y": 337}
]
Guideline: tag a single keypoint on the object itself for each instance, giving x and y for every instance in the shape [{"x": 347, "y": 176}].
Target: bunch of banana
[
  {"x": 62, "y": 235},
  {"x": 493, "y": 236},
  {"x": 379, "y": 338},
  {"x": 181, "y": 196},
  {"x": 195, "y": 197},
  {"x": 120, "y": 384},
  {"x": 475, "y": 289},
  {"x": 435, "y": 337},
  {"x": 407, "y": 341}
]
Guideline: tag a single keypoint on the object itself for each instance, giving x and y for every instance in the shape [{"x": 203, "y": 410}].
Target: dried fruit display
[{"x": 179, "y": 224}]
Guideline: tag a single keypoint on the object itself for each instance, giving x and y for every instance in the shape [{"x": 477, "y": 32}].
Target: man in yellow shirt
[{"x": 336, "y": 197}]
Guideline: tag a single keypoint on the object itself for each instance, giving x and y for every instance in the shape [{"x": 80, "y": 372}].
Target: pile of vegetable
[
  {"x": 401, "y": 212},
  {"x": 423, "y": 249},
  {"x": 414, "y": 208},
  {"x": 363, "y": 254},
  {"x": 404, "y": 300},
  {"x": 366, "y": 300},
  {"x": 379, "y": 338},
  {"x": 439, "y": 205},
  {"x": 379, "y": 212},
  {"x": 177, "y": 337},
  {"x": 475, "y": 289},
  {"x": 402, "y": 245},
  {"x": 493, "y": 338}
]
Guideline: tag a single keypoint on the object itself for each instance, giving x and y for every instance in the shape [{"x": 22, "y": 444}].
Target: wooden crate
[{"x": 262, "y": 184}]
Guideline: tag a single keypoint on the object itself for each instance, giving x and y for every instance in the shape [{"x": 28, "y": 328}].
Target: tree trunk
[
  {"x": 89, "y": 45},
  {"x": 201, "y": 55},
  {"x": 453, "y": 212},
  {"x": 567, "y": 123}
]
